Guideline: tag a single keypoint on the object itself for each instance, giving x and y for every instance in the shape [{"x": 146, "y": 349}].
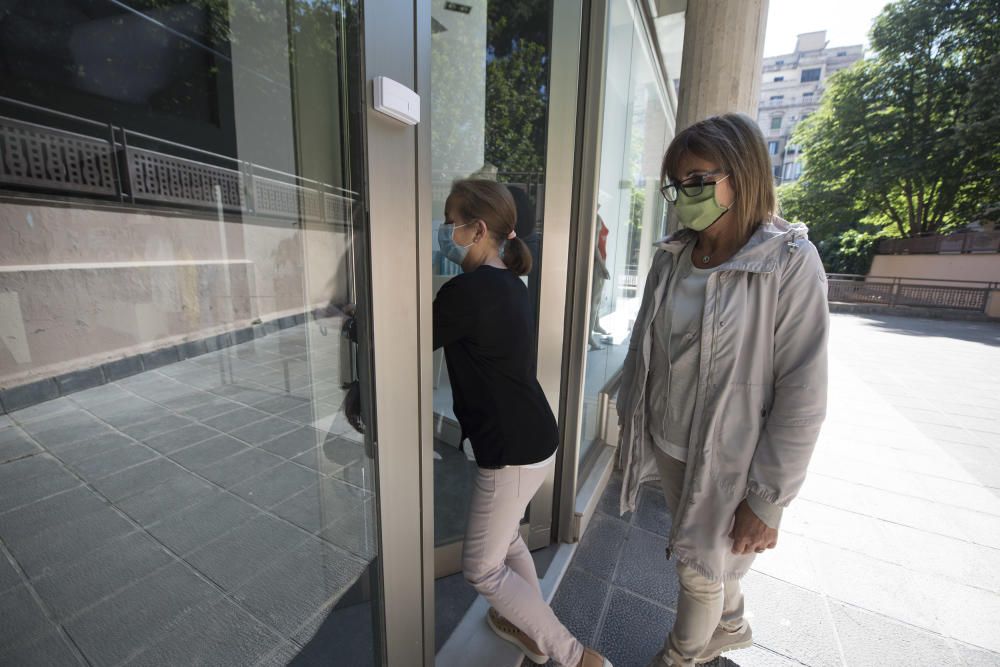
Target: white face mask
[{"x": 450, "y": 249}]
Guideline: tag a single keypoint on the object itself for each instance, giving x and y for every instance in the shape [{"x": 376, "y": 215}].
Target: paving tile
[
  {"x": 150, "y": 429},
  {"x": 30, "y": 520},
  {"x": 140, "y": 478},
  {"x": 633, "y": 630},
  {"x": 167, "y": 443},
  {"x": 601, "y": 546},
  {"x": 342, "y": 450},
  {"x": 652, "y": 513},
  {"x": 68, "y": 542},
  {"x": 608, "y": 503},
  {"x": 240, "y": 467},
  {"x": 132, "y": 412},
  {"x": 102, "y": 444},
  {"x": 339, "y": 635},
  {"x": 973, "y": 656},
  {"x": 120, "y": 626},
  {"x": 61, "y": 431},
  {"x": 216, "y": 633},
  {"x": 100, "y": 395},
  {"x": 200, "y": 456},
  {"x": 644, "y": 569},
  {"x": 113, "y": 566},
  {"x": 296, "y": 587},
  {"x": 28, "y": 468},
  {"x": 322, "y": 503},
  {"x": 359, "y": 474},
  {"x": 579, "y": 603},
  {"x": 355, "y": 532},
  {"x": 755, "y": 656},
  {"x": 50, "y": 650},
  {"x": 199, "y": 524},
  {"x": 117, "y": 460},
  {"x": 21, "y": 619},
  {"x": 24, "y": 491},
  {"x": 245, "y": 550},
  {"x": 263, "y": 431},
  {"x": 9, "y": 576},
  {"x": 161, "y": 501},
  {"x": 275, "y": 485},
  {"x": 790, "y": 620},
  {"x": 295, "y": 442},
  {"x": 210, "y": 408},
  {"x": 238, "y": 418},
  {"x": 46, "y": 410},
  {"x": 281, "y": 403},
  {"x": 864, "y": 634}
]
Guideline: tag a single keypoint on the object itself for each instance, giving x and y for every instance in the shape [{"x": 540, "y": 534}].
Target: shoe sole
[
  {"x": 746, "y": 643},
  {"x": 533, "y": 657}
]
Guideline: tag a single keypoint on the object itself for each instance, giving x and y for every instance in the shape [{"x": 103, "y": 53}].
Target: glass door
[
  {"x": 186, "y": 472},
  {"x": 489, "y": 105}
]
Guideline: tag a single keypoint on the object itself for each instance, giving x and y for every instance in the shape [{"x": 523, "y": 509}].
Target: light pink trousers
[{"x": 497, "y": 563}]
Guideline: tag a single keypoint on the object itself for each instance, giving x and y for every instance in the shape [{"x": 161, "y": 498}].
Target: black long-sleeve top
[{"x": 483, "y": 320}]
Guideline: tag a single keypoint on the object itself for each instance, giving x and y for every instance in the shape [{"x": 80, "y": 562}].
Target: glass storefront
[
  {"x": 186, "y": 473},
  {"x": 489, "y": 102},
  {"x": 630, "y": 214}
]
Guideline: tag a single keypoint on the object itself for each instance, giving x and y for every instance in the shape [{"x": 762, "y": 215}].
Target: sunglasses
[{"x": 692, "y": 187}]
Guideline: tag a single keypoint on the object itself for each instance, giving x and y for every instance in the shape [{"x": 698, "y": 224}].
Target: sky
[{"x": 846, "y": 22}]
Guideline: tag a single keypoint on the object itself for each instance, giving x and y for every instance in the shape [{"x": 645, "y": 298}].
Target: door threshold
[{"x": 474, "y": 643}]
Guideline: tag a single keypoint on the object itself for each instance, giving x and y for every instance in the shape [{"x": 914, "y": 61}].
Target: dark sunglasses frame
[{"x": 692, "y": 187}]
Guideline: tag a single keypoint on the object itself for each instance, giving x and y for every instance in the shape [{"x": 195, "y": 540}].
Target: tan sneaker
[
  {"x": 592, "y": 658},
  {"x": 726, "y": 640},
  {"x": 510, "y": 632}
]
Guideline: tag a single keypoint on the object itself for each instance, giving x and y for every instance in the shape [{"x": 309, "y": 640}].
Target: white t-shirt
[{"x": 679, "y": 357}]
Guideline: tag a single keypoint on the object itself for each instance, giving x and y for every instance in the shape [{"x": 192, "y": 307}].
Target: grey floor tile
[
  {"x": 360, "y": 475},
  {"x": 69, "y": 542},
  {"x": 15, "y": 443},
  {"x": 652, "y": 513},
  {"x": 199, "y": 524},
  {"x": 167, "y": 443},
  {"x": 633, "y": 629},
  {"x": 263, "y": 431},
  {"x": 645, "y": 570},
  {"x": 163, "y": 500},
  {"x": 23, "y": 492},
  {"x": 281, "y": 403},
  {"x": 238, "y": 418},
  {"x": 295, "y": 588},
  {"x": 121, "y": 626},
  {"x": 188, "y": 400},
  {"x": 210, "y": 408},
  {"x": 9, "y": 576},
  {"x": 21, "y": 619},
  {"x": 236, "y": 469},
  {"x": 601, "y": 546},
  {"x": 275, "y": 485},
  {"x": 30, "y": 520},
  {"x": 44, "y": 411},
  {"x": 245, "y": 550},
  {"x": 140, "y": 478},
  {"x": 49, "y": 650},
  {"x": 580, "y": 602},
  {"x": 342, "y": 451},
  {"x": 790, "y": 620},
  {"x": 200, "y": 456},
  {"x": 295, "y": 442},
  {"x": 150, "y": 429},
  {"x": 869, "y": 639},
  {"x": 119, "y": 458},
  {"x": 321, "y": 504},
  {"x": 98, "y": 395},
  {"x": 217, "y": 633},
  {"x": 132, "y": 412},
  {"x": 81, "y": 451},
  {"x": 28, "y": 468},
  {"x": 608, "y": 503},
  {"x": 113, "y": 566},
  {"x": 339, "y": 635},
  {"x": 78, "y": 430},
  {"x": 755, "y": 656},
  {"x": 354, "y": 532},
  {"x": 973, "y": 656}
]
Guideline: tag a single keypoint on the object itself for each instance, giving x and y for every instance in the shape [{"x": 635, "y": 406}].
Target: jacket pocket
[{"x": 741, "y": 415}]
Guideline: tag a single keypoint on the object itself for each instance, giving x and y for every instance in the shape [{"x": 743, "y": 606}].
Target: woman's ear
[{"x": 482, "y": 231}]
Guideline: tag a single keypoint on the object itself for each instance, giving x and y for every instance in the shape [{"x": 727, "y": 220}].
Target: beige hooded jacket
[{"x": 761, "y": 393}]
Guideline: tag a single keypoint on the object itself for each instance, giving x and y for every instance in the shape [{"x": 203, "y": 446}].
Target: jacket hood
[{"x": 761, "y": 252}]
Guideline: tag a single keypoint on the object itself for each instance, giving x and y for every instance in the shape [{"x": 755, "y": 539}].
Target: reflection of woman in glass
[
  {"x": 484, "y": 321},
  {"x": 601, "y": 275},
  {"x": 724, "y": 386}
]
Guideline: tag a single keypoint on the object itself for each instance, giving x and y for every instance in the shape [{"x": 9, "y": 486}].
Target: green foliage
[
  {"x": 850, "y": 252},
  {"x": 909, "y": 139}
]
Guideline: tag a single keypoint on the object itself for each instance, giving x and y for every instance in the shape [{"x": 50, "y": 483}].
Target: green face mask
[{"x": 700, "y": 212}]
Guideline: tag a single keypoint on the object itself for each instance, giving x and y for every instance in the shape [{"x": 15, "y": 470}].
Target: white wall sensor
[{"x": 396, "y": 100}]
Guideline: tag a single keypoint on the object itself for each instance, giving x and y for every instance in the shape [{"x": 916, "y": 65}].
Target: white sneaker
[{"x": 726, "y": 640}]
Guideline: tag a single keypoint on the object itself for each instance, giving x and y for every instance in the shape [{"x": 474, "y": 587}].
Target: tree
[{"x": 910, "y": 138}]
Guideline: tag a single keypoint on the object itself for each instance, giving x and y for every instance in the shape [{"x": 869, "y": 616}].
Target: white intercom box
[{"x": 396, "y": 100}]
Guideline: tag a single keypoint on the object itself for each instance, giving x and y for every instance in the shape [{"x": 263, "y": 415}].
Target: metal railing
[
  {"x": 927, "y": 293},
  {"x": 105, "y": 161},
  {"x": 959, "y": 242}
]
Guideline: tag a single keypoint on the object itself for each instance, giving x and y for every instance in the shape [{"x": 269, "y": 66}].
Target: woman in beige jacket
[{"x": 724, "y": 385}]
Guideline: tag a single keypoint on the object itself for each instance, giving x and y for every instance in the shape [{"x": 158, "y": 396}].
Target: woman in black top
[{"x": 483, "y": 319}]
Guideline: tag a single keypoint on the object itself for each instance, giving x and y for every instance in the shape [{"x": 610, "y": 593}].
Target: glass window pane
[{"x": 179, "y": 272}]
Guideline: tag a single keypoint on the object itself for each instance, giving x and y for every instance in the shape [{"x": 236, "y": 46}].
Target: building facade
[
  {"x": 225, "y": 437},
  {"x": 790, "y": 89}
]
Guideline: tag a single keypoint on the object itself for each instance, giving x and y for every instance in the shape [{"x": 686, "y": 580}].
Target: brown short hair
[
  {"x": 735, "y": 143},
  {"x": 491, "y": 202}
]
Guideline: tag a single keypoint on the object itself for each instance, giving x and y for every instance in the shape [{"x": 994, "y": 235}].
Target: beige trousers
[
  {"x": 497, "y": 563},
  {"x": 702, "y": 604}
]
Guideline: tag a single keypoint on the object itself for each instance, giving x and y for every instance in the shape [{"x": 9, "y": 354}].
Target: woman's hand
[{"x": 750, "y": 534}]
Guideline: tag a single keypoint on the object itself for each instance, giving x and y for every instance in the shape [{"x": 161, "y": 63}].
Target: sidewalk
[{"x": 890, "y": 555}]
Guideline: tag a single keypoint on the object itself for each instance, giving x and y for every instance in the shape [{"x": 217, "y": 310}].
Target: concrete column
[{"x": 723, "y": 50}]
